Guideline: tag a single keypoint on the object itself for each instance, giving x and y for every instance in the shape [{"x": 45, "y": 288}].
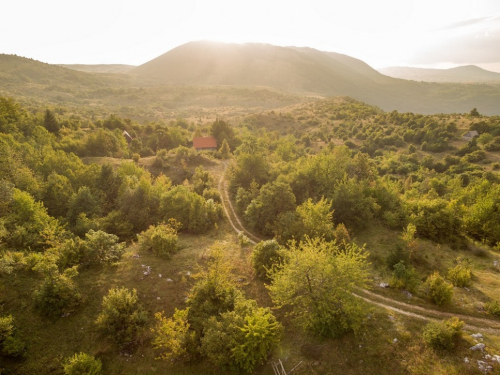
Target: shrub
[
  {"x": 102, "y": 247},
  {"x": 58, "y": 293},
  {"x": 160, "y": 239},
  {"x": 404, "y": 277},
  {"x": 172, "y": 335},
  {"x": 443, "y": 335},
  {"x": 397, "y": 255},
  {"x": 122, "y": 316},
  {"x": 460, "y": 275},
  {"x": 243, "y": 239},
  {"x": 265, "y": 255},
  {"x": 438, "y": 290},
  {"x": 136, "y": 157},
  {"x": 82, "y": 364},
  {"x": 241, "y": 339},
  {"x": 493, "y": 308},
  {"x": 13, "y": 346}
]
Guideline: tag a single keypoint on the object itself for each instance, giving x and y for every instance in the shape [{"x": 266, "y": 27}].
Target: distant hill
[
  {"x": 17, "y": 71},
  {"x": 307, "y": 71},
  {"x": 100, "y": 68},
  {"x": 461, "y": 74}
]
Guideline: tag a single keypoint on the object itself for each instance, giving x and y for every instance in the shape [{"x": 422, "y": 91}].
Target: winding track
[{"x": 471, "y": 323}]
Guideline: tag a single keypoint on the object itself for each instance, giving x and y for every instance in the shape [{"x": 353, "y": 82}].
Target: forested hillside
[{"x": 120, "y": 255}]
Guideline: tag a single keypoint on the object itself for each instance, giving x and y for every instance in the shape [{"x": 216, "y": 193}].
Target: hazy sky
[{"x": 433, "y": 33}]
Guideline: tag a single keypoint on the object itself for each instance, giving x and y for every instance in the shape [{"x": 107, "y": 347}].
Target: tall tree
[{"x": 50, "y": 123}]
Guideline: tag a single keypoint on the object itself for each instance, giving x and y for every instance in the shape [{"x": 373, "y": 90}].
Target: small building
[
  {"x": 470, "y": 135},
  {"x": 205, "y": 143},
  {"x": 127, "y": 136}
]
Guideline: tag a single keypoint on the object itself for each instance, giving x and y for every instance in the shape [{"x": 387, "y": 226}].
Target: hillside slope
[
  {"x": 312, "y": 72},
  {"x": 461, "y": 74}
]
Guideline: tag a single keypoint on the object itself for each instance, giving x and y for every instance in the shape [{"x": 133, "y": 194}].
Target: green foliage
[
  {"x": 122, "y": 316},
  {"x": 317, "y": 281},
  {"x": 160, "y": 239},
  {"x": 213, "y": 294},
  {"x": 275, "y": 198},
  {"x": 202, "y": 180},
  {"x": 243, "y": 239},
  {"x": 241, "y": 339},
  {"x": 84, "y": 201},
  {"x": 443, "y": 335},
  {"x": 136, "y": 157},
  {"x": 173, "y": 336},
  {"x": 461, "y": 274},
  {"x": 6, "y": 327},
  {"x": 13, "y": 346},
  {"x": 50, "y": 123},
  {"x": 493, "y": 307},
  {"x": 196, "y": 214},
  {"x": 398, "y": 254},
  {"x": 436, "y": 219},
  {"x": 438, "y": 290},
  {"x": 57, "y": 294},
  {"x": 82, "y": 364},
  {"x": 265, "y": 255},
  {"x": 102, "y": 247},
  {"x": 404, "y": 277},
  {"x": 224, "y": 150}
]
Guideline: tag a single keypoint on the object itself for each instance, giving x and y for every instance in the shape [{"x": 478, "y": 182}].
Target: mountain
[
  {"x": 307, "y": 71},
  {"x": 461, "y": 74},
  {"x": 16, "y": 71},
  {"x": 100, "y": 68}
]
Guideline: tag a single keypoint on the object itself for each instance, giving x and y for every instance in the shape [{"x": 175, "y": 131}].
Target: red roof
[{"x": 204, "y": 142}]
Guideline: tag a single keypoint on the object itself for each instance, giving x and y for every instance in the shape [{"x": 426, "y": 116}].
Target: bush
[
  {"x": 6, "y": 327},
  {"x": 13, "y": 346},
  {"x": 241, "y": 339},
  {"x": 443, "y": 335},
  {"x": 58, "y": 293},
  {"x": 404, "y": 277},
  {"x": 397, "y": 255},
  {"x": 493, "y": 308},
  {"x": 438, "y": 290},
  {"x": 82, "y": 364},
  {"x": 243, "y": 239},
  {"x": 460, "y": 275},
  {"x": 102, "y": 247},
  {"x": 160, "y": 239},
  {"x": 122, "y": 316},
  {"x": 265, "y": 255}
]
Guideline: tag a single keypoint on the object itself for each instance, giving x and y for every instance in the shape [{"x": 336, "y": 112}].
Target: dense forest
[{"x": 119, "y": 255}]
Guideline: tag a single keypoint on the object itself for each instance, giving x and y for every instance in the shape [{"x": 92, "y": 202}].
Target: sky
[{"x": 422, "y": 33}]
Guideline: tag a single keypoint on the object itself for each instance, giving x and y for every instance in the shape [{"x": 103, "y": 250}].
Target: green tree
[
  {"x": 438, "y": 290},
  {"x": 275, "y": 198},
  {"x": 224, "y": 150},
  {"x": 50, "y": 123},
  {"x": 173, "y": 336},
  {"x": 58, "y": 293},
  {"x": 82, "y": 364},
  {"x": 443, "y": 335},
  {"x": 317, "y": 281},
  {"x": 161, "y": 239},
  {"x": 102, "y": 247},
  {"x": 242, "y": 338},
  {"x": 265, "y": 255},
  {"x": 122, "y": 316}
]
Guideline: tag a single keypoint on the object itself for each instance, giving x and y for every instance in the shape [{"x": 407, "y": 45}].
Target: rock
[
  {"x": 188, "y": 273},
  {"x": 495, "y": 263},
  {"x": 479, "y": 346},
  {"x": 496, "y": 358},
  {"x": 136, "y": 256},
  {"x": 159, "y": 275},
  {"x": 158, "y": 298},
  {"x": 391, "y": 318},
  {"x": 408, "y": 294},
  {"x": 170, "y": 280},
  {"x": 466, "y": 360},
  {"x": 483, "y": 366},
  {"x": 467, "y": 289},
  {"x": 395, "y": 341},
  {"x": 384, "y": 285},
  {"x": 488, "y": 357},
  {"x": 477, "y": 336}
]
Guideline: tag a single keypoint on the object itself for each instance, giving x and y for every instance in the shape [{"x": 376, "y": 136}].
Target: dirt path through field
[{"x": 472, "y": 323}]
